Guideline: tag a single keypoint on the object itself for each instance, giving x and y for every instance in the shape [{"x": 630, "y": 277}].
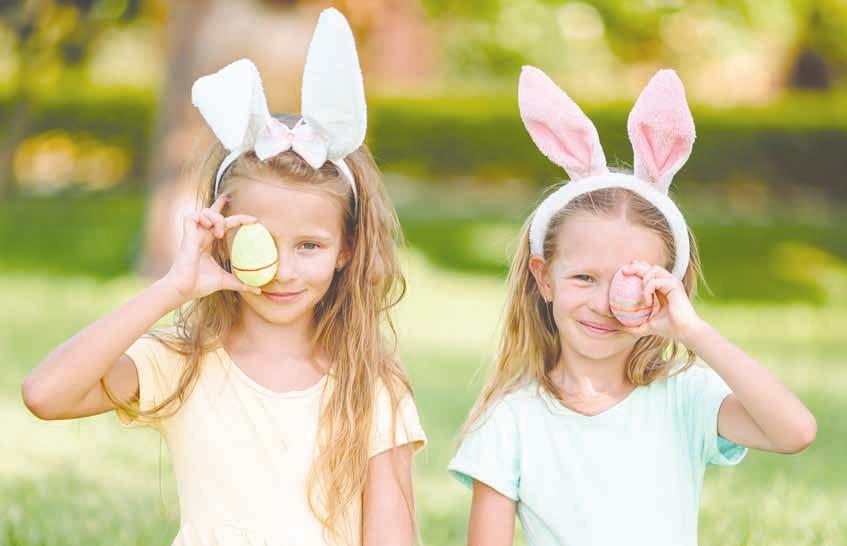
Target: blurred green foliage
[
  {"x": 95, "y": 234},
  {"x": 799, "y": 141},
  {"x": 485, "y": 37},
  {"x": 796, "y": 143}
]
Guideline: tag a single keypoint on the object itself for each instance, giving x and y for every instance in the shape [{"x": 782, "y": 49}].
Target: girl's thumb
[{"x": 232, "y": 283}]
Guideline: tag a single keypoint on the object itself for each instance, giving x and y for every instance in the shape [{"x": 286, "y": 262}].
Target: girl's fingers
[
  {"x": 636, "y": 267},
  {"x": 637, "y": 331},
  {"x": 198, "y": 219},
  {"x": 665, "y": 286},
  {"x": 648, "y": 273},
  {"x": 232, "y": 283},
  {"x": 220, "y": 203},
  {"x": 217, "y": 221},
  {"x": 659, "y": 271},
  {"x": 643, "y": 269},
  {"x": 238, "y": 220}
]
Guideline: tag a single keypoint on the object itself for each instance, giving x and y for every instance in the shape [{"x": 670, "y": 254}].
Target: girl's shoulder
[
  {"x": 517, "y": 403},
  {"x": 695, "y": 376},
  {"x": 159, "y": 343},
  {"x": 695, "y": 386},
  {"x": 167, "y": 349}
]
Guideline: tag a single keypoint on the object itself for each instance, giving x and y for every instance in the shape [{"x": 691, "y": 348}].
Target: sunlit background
[{"x": 99, "y": 149}]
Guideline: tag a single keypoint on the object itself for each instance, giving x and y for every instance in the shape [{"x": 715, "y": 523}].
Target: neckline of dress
[{"x": 315, "y": 388}]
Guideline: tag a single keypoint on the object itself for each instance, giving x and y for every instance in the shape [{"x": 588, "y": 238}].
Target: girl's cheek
[
  {"x": 319, "y": 269},
  {"x": 564, "y": 295}
]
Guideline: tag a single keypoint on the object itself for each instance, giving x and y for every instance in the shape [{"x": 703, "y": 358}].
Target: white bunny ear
[
  {"x": 233, "y": 103},
  {"x": 333, "y": 97}
]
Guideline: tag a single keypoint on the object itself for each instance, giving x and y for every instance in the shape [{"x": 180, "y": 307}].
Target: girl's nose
[
  {"x": 599, "y": 301},
  {"x": 286, "y": 269}
]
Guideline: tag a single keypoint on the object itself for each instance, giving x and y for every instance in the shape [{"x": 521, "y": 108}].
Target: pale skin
[
  {"x": 307, "y": 226},
  {"x": 760, "y": 413}
]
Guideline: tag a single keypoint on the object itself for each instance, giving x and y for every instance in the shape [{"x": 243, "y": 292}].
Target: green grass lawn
[
  {"x": 780, "y": 293},
  {"x": 90, "y": 482}
]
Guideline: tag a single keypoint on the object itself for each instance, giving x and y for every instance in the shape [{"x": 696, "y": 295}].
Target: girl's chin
[{"x": 601, "y": 346}]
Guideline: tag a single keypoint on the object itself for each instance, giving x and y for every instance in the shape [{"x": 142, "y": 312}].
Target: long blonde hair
[
  {"x": 529, "y": 346},
  {"x": 353, "y": 325}
]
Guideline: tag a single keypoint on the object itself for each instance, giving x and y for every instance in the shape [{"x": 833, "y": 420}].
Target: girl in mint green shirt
[{"x": 591, "y": 428}]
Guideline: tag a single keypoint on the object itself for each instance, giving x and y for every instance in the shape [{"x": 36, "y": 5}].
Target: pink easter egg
[{"x": 627, "y": 301}]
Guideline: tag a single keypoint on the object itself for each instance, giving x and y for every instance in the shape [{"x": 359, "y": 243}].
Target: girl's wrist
[
  {"x": 172, "y": 297},
  {"x": 691, "y": 334}
]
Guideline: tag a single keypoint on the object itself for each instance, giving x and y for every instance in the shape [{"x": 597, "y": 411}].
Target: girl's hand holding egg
[
  {"x": 195, "y": 272},
  {"x": 670, "y": 314}
]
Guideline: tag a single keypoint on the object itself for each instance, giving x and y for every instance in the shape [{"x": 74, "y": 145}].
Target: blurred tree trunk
[
  {"x": 14, "y": 131},
  {"x": 810, "y": 69},
  {"x": 166, "y": 190}
]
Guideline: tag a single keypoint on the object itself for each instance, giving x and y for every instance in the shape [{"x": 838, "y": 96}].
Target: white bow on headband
[
  {"x": 660, "y": 128},
  {"x": 333, "y": 107}
]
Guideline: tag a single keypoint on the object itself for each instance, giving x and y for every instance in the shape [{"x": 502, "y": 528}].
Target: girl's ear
[
  {"x": 538, "y": 267},
  {"x": 661, "y": 130},
  {"x": 558, "y": 126},
  {"x": 344, "y": 256}
]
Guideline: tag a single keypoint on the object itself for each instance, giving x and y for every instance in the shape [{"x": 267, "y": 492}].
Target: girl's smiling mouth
[
  {"x": 281, "y": 297},
  {"x": 597, "y": 329}
]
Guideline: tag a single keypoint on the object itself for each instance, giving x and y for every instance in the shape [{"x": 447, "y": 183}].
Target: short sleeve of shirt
[
  {"x": 158, "y": 371},
  {"x": 490, "y": 452},
  {"x": 705, "y": 392},
  {"x": 407, "y": 429}
]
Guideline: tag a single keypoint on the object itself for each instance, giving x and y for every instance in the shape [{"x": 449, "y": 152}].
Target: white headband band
[
  {"x": 232, "y": 156},
  {"x": 557, "y": 200},
  {"x": 334, "y": 113},
  {"x": 661, "y": 130}
]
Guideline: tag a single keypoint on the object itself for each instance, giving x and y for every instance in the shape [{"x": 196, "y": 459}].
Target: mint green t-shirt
[{"x": 630, "y": 475}]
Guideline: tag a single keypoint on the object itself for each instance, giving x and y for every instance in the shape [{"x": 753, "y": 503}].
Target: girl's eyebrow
[
  {"x": 582, "y": 269},
  {"x": 321, "y": 236}
]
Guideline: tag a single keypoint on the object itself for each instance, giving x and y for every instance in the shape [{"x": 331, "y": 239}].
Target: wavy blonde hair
[
  {"x": 529, "y": 345},
  {"x": 353, "y": 325}
]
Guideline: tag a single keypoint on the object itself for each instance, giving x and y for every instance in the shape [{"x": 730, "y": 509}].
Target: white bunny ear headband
[
  {"x": 334, "y": 120},
  {"x": 660, "y": 128}
]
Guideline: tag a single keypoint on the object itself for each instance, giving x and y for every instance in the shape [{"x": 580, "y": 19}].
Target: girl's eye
[
  {"x": 310, "y": 246},
  {"x": 586, "y": 278}
]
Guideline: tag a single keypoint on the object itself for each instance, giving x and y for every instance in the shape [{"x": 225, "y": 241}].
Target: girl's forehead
[
  {"x": 282, "y": 207},
  {"x": 606, "y": 243}
]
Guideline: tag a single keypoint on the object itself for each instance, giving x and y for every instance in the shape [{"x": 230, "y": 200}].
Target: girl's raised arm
[
  {"x": 761, "y": 413},
  {"x": 67, "y": 385}
]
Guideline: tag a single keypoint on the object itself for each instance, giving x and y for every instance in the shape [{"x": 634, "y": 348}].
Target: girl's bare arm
[
  {"x": 492, "y": 520},
  {"x": 388, "y": 502},
  {"x": 66, "y": 384},
  {"x": 761, "y": 413}
]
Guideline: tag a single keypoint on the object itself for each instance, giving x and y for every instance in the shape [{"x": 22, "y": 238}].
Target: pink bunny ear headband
[
  {"x": 660, "y": 128},
  {"x": 334, "y": 120}
]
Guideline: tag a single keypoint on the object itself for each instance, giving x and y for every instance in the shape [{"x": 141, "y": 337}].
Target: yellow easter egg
[{"x": 254, "y": 258}]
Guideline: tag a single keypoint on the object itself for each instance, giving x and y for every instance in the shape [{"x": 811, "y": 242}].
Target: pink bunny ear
[
  {"x": 661, "y": 130},
  {"x": 558, "y": 127}
]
